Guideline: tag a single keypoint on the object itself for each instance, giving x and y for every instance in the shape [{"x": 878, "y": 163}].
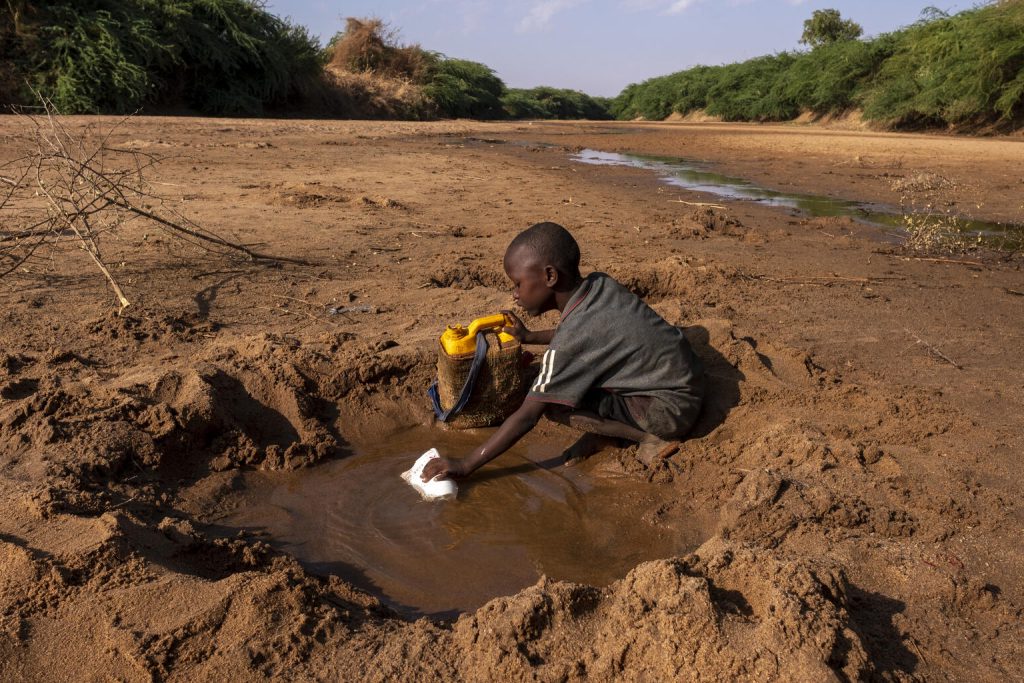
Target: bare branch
[{"x": 88, "y": 191}]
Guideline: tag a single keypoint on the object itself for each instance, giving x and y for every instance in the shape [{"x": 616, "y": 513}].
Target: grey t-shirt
[{"x": 609, "y": 340}]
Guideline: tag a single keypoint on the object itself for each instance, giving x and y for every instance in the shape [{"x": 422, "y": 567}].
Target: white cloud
[
  {"x": 641, "y": 5},
  {"x": 680, "y": 6},
  {"x": 539, "y": 16}
]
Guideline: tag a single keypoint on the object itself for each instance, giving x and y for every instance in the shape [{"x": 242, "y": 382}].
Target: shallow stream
[
  {"x": 695, "y": 176},
  {"x": 517, "y": 518}
]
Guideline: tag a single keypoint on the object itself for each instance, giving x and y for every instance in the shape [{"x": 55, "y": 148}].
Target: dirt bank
[{"x": 858, "y": 453}]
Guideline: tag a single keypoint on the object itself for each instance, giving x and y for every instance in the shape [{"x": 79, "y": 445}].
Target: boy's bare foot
[
  {"x": 585, "y": 446},
  {"x": 652, "y": 449}
]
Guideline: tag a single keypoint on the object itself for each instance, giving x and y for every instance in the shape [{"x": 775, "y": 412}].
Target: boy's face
[{"x": 532, "y": 282}]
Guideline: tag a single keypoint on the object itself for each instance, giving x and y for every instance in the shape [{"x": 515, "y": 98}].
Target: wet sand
[{"x": 855, "y": 468}]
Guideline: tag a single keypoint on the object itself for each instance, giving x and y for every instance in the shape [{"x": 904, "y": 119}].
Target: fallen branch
[
  {"x": 207, "y": 237},
  {"x": 714, "y": 206},
  {"x": 934, "y": 350},
  {"x": 87, "y": 190},
  {"x": 961, "y": 262},
  {"x": 822, "y": 280}
]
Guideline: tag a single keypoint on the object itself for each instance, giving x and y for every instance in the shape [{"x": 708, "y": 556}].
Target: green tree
[
  {"x": 826, "y": 26},
  {"x": 464, "y": 89}
]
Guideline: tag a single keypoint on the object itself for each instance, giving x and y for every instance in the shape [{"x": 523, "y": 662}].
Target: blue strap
[{"x": 478, "y": 362}]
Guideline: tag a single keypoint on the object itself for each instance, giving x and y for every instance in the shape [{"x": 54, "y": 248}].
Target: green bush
[
  {"x": 967, "y": 68},
  {"x": 520, "y": 104},
  {"x": 94, "y": 58},
  {"x": 464, "y": 89},
  {"x": 681, "y": 92},
  {"x": 753, "y": 90},
  {"x": 830, "y": 79},
  {"x": 553, "y": 103},
  {"x": 218, "y": 56},
  {"x": 961, "y": 69},
  {"x": 235, "y": 58}
]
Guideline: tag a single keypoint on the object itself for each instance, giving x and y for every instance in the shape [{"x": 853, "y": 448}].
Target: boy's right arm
[
  {"x": 525, "y": 336},
  {"x": 511, "y": 430}
]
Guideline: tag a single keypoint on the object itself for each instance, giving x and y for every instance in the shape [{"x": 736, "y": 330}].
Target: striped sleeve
[
  {"x": 544, "y": 378},
  {"x": 561, "y": 380}
]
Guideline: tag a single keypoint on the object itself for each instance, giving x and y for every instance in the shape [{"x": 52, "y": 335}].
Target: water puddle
[
  {"x": 695, "y": 176},
  {"x": 517, "y": 518}
]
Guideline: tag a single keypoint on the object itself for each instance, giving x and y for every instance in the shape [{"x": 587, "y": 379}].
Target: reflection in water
[
  {"x": 692, "y": 176},
  {"x": 517, "y": 518}
]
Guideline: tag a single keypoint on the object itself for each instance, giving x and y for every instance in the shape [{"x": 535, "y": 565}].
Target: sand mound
[
  {"x": 247, "y": 404},
  {"x": 722, "y": 613},
  {"x": 673, "y": 278},
  {"x": 238, "y": 609}
]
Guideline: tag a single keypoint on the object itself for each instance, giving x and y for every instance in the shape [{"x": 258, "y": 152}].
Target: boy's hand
[
  {"x": 517, "y": 329},
  {"x": 447, "y": 468}
]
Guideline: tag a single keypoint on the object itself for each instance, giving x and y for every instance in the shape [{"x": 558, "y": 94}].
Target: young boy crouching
[{"x": 613, "y": 369}]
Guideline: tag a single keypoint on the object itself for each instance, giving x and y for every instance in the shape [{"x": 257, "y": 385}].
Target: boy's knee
[{"x": 557, "y": 413}]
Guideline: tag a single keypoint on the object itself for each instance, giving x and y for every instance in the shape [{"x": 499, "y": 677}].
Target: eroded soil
[{"x": 859, "y": 453}]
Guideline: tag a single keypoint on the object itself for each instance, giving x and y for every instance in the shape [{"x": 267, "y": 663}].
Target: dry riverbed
[{"x": 848, "y": 507}]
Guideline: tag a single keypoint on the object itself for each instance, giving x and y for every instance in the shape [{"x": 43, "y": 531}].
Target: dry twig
[
  {"x": 961, "y": 262},
  {"x": 822, "y": 280},
  {"x": 934, "y": 350},
  {"x": 79, "y": 191},
  {"x": 713, "y": 206}
]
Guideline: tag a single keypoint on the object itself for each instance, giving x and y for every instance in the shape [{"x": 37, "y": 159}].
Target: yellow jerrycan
[
  {"x": 458, "y": 340},
  {"x": 479, "y": 374}
]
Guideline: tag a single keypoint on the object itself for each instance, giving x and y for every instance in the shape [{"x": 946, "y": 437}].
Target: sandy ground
[{"x": 859, "y": 453}]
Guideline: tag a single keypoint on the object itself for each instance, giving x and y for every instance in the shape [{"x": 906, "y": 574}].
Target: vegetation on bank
[
  {"x": 232, "y": 57},
  {"x": 438, "y": 85},
  {"x": 212, "y": 56},
  {"x": 966, "y": 70}
]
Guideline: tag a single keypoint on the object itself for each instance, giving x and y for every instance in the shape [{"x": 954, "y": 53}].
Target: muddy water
[
  {"x": 692, "y": 175},
  {"x": 517, "y": 518}
]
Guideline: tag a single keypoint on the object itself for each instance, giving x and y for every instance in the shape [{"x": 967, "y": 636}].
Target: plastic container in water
[{"x": 435, "y": 489}]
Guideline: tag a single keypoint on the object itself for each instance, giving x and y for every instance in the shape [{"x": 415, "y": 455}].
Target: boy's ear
[{"x": 550, "y": 276}]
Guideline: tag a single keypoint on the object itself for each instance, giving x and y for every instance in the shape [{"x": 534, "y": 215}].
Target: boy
[{"x": 614, "y": 368}]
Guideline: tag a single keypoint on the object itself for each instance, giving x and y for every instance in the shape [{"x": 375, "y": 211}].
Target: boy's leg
[{"x": 603, "y": 432}]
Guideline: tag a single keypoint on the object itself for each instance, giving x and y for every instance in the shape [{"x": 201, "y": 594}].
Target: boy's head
[{"x": 541, "y": 261}]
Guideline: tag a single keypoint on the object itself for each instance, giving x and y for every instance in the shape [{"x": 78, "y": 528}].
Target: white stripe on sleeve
[{"x": 547, "y": 365}]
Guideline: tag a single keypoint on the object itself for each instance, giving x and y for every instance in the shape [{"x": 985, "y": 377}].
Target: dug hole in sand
[{"x": 837, "y": 513}]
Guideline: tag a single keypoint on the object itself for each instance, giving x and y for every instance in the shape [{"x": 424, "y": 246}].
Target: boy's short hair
[{"x": 553, "y": 244}]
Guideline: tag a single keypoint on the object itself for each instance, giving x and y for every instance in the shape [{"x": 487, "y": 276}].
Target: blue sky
[{"x": 599, "y": 46}]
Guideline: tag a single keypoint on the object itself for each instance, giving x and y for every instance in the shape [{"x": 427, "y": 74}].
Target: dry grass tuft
[
  {"x": 929, "y": 220},
  {"x": 370, "y": 95}
]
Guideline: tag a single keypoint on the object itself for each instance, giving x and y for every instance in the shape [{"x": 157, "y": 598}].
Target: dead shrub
[
  {"x": 370, "y": 45},
  {"x": 929, "y": 221}
]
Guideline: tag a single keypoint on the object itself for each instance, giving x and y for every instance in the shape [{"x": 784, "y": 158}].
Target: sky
[{"x": 599, "y": 46}]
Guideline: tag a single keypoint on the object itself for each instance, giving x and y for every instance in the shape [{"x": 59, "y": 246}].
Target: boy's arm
[
  {"x": 511, "y": 430},
  {"x": 525, "y": 336}
]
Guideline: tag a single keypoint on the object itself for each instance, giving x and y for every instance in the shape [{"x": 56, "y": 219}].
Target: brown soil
[{"x": 866, "y": 489}]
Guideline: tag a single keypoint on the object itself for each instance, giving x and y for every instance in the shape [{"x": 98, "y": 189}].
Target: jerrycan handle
[{"x": 496, "y": 321}]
